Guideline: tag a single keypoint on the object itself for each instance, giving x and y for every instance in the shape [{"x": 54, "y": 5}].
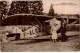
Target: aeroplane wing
[{"x": 25, "y": 19}]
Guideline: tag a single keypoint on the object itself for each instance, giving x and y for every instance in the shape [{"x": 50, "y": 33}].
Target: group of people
[{"x": 58, "y": 27}]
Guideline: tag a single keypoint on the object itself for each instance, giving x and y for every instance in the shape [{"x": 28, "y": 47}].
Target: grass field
[{"x": 72, "y": 44}]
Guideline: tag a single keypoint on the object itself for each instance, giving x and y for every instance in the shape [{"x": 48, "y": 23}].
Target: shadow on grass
[{"x": 33, "y": 41}]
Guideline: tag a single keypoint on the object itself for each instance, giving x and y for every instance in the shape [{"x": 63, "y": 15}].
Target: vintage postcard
[{"x": 40, "y": 25}]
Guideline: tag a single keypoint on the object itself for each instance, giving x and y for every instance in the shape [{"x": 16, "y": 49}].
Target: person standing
[
  {"x": 55, "y": 25},
  {"x": 63, "y": 30}
]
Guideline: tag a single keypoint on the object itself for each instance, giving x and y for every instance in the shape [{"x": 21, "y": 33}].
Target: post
[
  {"x": 79, "y": 25},
  {"x": 68, "y": 20}
]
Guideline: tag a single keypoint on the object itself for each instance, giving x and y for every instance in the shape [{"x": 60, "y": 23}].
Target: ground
[{"x": 72, "y": 44}]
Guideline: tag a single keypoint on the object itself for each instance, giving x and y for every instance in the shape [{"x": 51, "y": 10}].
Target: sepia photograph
[{"x": 40, "y": 25}]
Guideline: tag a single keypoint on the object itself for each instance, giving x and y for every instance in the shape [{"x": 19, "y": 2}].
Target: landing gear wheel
[{"x": 17, "y": 37}]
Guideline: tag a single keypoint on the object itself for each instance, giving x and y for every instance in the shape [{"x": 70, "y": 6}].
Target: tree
[
  {"x": 35, "y": 7},
  {"x": 32, "y": 7},
  {"x": 3, "y": 10},
  {"x": 18, "y": 7},
  {"x": 51, "y": 11}
]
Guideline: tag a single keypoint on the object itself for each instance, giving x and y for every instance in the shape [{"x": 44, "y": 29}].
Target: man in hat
[{"x": 63, "y": 30}]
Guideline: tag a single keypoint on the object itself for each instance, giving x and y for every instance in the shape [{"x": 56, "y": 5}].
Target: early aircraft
[
  {"x": 26, "y": 25},
  {"x": 23, "y": 26}
]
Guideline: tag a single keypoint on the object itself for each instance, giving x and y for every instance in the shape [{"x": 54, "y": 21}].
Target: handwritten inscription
[{"x": 65, "y": 4}]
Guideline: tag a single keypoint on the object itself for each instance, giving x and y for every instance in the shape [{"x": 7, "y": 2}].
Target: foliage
[
  {"x": 3, "y": 10},
  {"x": 51, "y": 11},
  {"x": 35, "y": 7},
  {"x": 18, "y": 7},
  {"x": 32, "y": 7}
]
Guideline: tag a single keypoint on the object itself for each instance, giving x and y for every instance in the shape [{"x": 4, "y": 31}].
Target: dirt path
[{"x": 73, "y": 44}]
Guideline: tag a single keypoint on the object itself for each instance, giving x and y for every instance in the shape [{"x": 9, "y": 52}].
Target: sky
[{"x": 62, "y": 6}]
